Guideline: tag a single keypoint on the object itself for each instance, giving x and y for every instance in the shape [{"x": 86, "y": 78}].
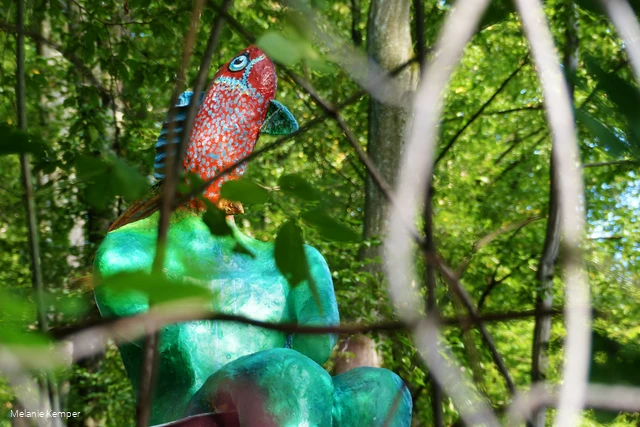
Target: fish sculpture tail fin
[{"x": 140, "y": 209}]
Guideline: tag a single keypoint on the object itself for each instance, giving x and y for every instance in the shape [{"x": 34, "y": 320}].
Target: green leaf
[
  {"x": 299, "y": 187},
  {"x": 130, "y": 183},
  {"x": 614, "y": 145},
  {"x": 14, "y": 309},
  {"x": 191, "y": 182},
  {"x": 16, "y": 313},
  {"x": 289, "y": 254},
  {"x": 88, "y": 167},
  {"x": 613, "y": 363},
  {"x": 157, "y": 287},
  {"x": 279, "y": 48},
  {"x": 14, "y": 336},
  {"x": 16, "y": 141},
  {"x": 328, "y": 227},
  {"x": 498, "y": 11},
  {"x": 625, "y": 97},
  {"x": 109, "y": 178},
  {"x": 244, "y": 191},
  {"x": 215, "y": 219}
]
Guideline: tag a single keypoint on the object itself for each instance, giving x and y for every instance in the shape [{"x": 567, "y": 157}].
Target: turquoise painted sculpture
[{"x": 267, "y": 377}]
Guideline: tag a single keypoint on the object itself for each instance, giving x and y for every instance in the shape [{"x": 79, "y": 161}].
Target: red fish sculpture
[{"x": 237, "y": 107}]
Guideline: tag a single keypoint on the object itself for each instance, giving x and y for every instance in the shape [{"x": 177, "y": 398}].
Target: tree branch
[
  {"x": 627, "y": 162},
  {"x": 51, "y": 391},
  {"x": 148, "y": 370},
  {"x": 458, "y": 289},
  {"x": 480, "y": 110},
  {"x": 485, "y": 240},
  {"x": 88, "y": 337}
]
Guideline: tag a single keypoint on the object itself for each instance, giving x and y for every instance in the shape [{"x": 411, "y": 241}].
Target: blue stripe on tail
[{"x": 179, "y": 114}]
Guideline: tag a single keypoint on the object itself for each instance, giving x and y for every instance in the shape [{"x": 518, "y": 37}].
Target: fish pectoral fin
[{"x": 279, "y": 120}]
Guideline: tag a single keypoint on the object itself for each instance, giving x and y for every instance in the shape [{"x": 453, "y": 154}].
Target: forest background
[{"x": 99, "y": 77}]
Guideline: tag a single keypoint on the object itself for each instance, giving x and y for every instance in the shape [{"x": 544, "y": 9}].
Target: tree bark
[
  {"x": 389, "y": 44},
  {"x": 356, "y": 351}
]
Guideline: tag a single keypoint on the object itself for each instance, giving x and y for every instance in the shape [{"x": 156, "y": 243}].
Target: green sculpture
[{"x": 266, "y": 376}]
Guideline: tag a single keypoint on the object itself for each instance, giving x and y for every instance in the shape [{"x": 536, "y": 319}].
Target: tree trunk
[
  {"x": 389, "y": 44},
  {"x": 356, "y": 351}
]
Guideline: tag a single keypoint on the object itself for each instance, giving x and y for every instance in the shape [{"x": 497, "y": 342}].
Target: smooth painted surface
[{"x": 233, "y": 366}]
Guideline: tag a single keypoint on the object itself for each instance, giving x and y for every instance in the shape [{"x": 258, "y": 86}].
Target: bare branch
[
  {"x": 456, "y": 287},
  {"x": 51, "y": 394},
  {"x": 628, "y": 162},
  {"x": 91, "y": 338},
  {"x": 517, "y": 140},
  {"x": 485, "y": 240},
  {"x": 477, "y": 114},
  {"x": 513, "y": 110},
  {"x": 148, "y": 370},
  {"x": 495, "y": 282}
]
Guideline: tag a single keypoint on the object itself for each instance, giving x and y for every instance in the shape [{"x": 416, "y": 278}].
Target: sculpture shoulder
[
  {"x": 323, "y": 283},
  {"x": 318, "y": 266},
  {"x": 124, "y": 250}
]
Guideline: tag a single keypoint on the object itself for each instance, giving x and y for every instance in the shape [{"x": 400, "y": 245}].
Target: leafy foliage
[
  {"x": 91, "y": 139},
  {"x": 289, "y": 253}
]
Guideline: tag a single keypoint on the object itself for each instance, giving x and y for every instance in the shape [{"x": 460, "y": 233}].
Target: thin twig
[
  {"x": 488, "y": 238},
  {"x": 465, "y": 298},
  {"x": 30, "y": 204},
  {"x": 513, "y": 110},
  {"x": 90, "y": 338},
  {"x": 628, "y": 162},
  {"x": 495, "y": 282},
  {"x": 516, "y": 142},
  {"x": 477, "y": 114},
  {"x": 148, "y": 370},
  {"x": 334, "y": 113}
]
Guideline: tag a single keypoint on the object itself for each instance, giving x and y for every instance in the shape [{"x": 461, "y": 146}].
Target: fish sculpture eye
[{"x": 239, "y": 62}]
